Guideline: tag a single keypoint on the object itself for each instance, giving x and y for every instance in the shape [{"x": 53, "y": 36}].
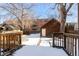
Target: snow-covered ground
[
  {"x": 34, "y": 39},
  {"x": 36, "y": 46}
]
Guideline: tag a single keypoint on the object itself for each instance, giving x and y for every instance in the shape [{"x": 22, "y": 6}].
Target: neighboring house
[
  {"x": 76, "y": 27},
  {"x": 38, "y": 24},
  {"x": 9, "y": 27},
  {"x": 1, "y": 28},
  {"x": 71, "y": 27},
  {"x": 51, "y": 26}
]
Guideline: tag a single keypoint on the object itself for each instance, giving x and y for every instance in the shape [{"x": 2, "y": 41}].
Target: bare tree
[
  {"x": 63, "y": 9},
  {"x": 19, "y": 11},
  {"x": 63, "y": 14}
]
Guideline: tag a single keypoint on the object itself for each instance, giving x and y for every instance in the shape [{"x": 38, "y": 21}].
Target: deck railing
[
  {"x": 69, "y": 42},
  {"x": 9, "y": 41}
]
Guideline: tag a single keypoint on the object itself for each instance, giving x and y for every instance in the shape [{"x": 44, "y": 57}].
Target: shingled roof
[{"x": 9, "y": 27}]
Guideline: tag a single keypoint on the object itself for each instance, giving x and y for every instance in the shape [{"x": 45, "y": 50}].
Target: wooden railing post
[
  {"x": 64, "y": 41},
  {"x": 53, "y": 40},
  {"x": 3, "y": 44},
  {"x": 0, "y": 45},
  {"x": 20, "y": 39},
  {"x": 78, "y": 46},
  {"x": 75, "y": 47}
]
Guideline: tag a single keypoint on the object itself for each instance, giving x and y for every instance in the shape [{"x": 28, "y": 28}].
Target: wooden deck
[{"x": 66, "y": 41}]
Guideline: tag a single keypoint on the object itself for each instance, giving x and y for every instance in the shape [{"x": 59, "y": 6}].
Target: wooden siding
[{"x": 51, "y": 26}]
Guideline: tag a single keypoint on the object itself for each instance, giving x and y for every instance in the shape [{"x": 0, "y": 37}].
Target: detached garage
[{"x": 51, "y": 26}]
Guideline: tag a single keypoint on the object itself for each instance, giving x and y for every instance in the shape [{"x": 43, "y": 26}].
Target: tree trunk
[
  {"x": 63, "y": 20},
  {"x": 63, "y": 17}
]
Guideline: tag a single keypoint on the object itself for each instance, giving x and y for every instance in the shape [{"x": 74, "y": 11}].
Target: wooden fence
[
  {"x": 9, "y": 41},
  {"x": 69, "y": 42}
]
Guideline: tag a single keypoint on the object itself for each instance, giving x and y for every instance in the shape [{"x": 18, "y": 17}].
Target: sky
[{"x": 43, "y": 10}]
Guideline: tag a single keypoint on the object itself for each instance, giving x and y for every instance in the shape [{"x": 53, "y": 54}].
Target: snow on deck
[
  {"x": 39, "y": 51},
  {"x": 31, "y": 47}
]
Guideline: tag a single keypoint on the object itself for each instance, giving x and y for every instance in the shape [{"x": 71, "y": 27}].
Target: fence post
[
  {"x": 64, "y": 41},
  {"x": 3, "y": 44},
  {"x": 20, "y": 39},
  {"x": 0, "y": 45},
  {"x": 75, "y": 46},
  {"x": 53, "y": 40},
  {"x": 77, "y": 50}
]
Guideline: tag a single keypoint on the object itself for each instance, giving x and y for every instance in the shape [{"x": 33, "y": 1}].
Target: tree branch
[
  {"x": 12, "y": 13},
  {"x": 69, "y": 7}
]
